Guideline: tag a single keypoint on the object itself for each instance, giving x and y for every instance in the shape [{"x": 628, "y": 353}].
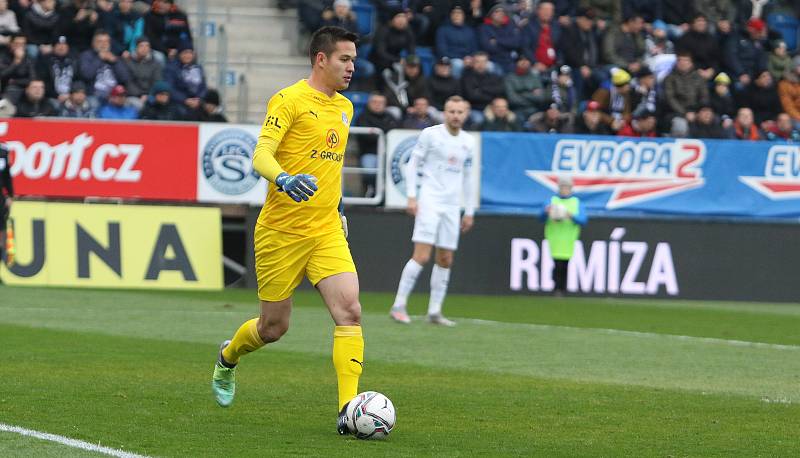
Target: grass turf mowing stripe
[{"x": 74, "y": 443}]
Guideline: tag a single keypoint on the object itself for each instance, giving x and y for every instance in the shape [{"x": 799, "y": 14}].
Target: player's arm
[
  {"x": 416, "y": 158},
  {"x": 469, "y": 195},
  {"x": 280, "y": 115},
  {"x": 9, "y": 185}
]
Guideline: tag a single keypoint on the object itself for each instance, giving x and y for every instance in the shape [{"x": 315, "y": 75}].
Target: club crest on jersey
[
  {"x": 332, "y": 138},
  {"x": 345, "y": 121}
]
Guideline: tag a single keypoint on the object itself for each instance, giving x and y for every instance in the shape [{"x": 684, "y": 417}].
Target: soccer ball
[{"x": 370, "y": 415}]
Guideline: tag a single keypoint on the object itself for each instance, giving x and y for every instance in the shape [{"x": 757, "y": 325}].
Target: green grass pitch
[{"x": 518, "y": 376}]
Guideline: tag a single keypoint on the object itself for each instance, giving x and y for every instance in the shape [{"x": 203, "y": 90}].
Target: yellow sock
[
  {"x": 348, "y": 360},
  {"x": 244, "y": 341}
]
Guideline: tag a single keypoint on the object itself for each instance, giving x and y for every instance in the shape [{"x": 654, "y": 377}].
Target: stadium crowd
[
  {"x": 640, "y": 68},
  {"x": 101, "y": 59}
]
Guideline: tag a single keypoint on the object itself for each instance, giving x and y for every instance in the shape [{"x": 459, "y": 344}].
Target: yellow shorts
[{"x": 282, "y": 259}]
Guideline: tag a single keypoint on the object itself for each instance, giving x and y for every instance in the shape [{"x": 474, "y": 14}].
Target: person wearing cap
[
  {"x": 525, "y": 89},
  {"x": 456, "y": 40},
  {"x": 392, "y": 40},
  {"x": 159, "y": 106},
  {"x": 340, "y": 15},
  {"x": 117, "y": 106},
  {"x": 746, "y": 54},
  {"x": 789, "y": 91},
  {"x": 684, "y": 91},
  {"x": 144, "y": 69},
  {"x": 167, "y": 27},
  {"x": 442, "y": 83},
  {"x": 540, "y": 36},
  {"x": 562, "y": 90},
  {"x": 616, "y": 99},
  {"x": 645, "y": 90},
  {"x": 591, "y": 121},
  {"x": 580, "y": 47},
  {"x": 78, "y": 105},
  {"x": 500, "y": 39},
  {"x": 100, "y": 68},
  {"x": 212, "y": 108},
  {"x": 643, "y": 124},
  {"x": 564, "y": 216},
  {"x": 187, "y": 79},
  {"x": 624, "y": 45},
  {"x": 722, "y": 97},
  {"x": 706, "y": 124},
  {"x": 58, "y": 68}
]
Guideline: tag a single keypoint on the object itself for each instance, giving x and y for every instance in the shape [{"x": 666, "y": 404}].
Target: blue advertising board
[{"x": 660, "y": 176}]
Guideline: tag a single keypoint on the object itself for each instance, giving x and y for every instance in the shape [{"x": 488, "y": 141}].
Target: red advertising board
[{"x": 102, "y": 159}]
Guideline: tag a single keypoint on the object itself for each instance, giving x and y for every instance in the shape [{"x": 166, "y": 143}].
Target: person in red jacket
[{"x": 643, "y": 124}]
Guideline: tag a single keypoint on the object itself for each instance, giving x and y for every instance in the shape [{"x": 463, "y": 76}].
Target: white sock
[
  {"x": 407, "y": 281},
  {"x": 440, "y": 277}
]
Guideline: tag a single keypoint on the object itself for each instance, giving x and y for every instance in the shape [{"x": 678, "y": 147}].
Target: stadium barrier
[{"x": 115, "y": 246}]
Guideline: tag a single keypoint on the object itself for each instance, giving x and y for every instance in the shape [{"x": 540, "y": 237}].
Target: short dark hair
[{"x": 324, "y": 40}]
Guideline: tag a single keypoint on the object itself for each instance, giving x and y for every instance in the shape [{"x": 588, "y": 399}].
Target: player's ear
[{"x": 321, "y": 59}]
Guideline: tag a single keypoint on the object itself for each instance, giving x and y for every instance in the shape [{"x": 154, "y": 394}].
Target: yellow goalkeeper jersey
[{"x": 312, "y": 131}]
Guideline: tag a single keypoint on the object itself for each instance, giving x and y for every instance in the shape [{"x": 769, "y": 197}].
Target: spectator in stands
[
  {"x": 16, "y": 69},
  {"x": 580, "y": 47},
  {"x": 615, "y": 100},
  {"x": 418, "y": 115},
  {"x": 645, "y": 91},
  {"x": 132, "y": 25},
  {"x": 562, "y": 90},
  {"x": 212, "y": 109},
  {"x": 418, "y": 23},
  {"x": 498, "y": 118},
  {"x": 34, "y": 103},
  {"x": 58, "y": 68},
  {"x": 706, "y": 124},
  {"x": 540, "y": 36},
  {"x": 167, "y": 27},
  {"x": 405, "y": 82},
  {"x": 40, "y": 25},
  {"x": 480, "y": 85},
  {"x": 677, "y": 14},
  {"x": 160, "y": 107},
  {"x": 761, "y": 97},
  {"x": 591, "y": 121},
  {"x": 457, "y": 41},
  {"x": 442, "y": 83},
  {"x": 779, "y": 62},
  {"x": 525, "y": 89},
  {"x": 144, "y": 71},
  {"x": 500, "y": 39},
  {"x": 186, "y": 78},
  {"x": 551, "y": 121},
  {"x": 720, "y": 13},
  {"x": 77, "y": 105},
  {"x": 743, "y": 127},
  {"x": 789, "y": 91},
  {"x": 623, "y": 45},
  {"x": 391, "y": 41},
  {"x": 782, "y": 130},
  {"x": 746, "y": 54},
  {"x": 8, "y": 23},
  {"x": 659, "y": 52},
  {"x": 608, "y": 11},
  {"x": 643, "y": 124},
  {"x": 374, "y": 115},
  {"x": 108, "y": 20},
  {"x": 722, "y": 98},
  {"x": 309, "y": 12},
  {"x": 117, "y": 106},
  {"x": 100, "y": 68},
  {"x": 702, "y": 46},
  {"x": 649, "y": 10},
  {"x": 78, "y": 22},
  {"x": 684, "y": 92},
  {"x": 341, "y": 15}
]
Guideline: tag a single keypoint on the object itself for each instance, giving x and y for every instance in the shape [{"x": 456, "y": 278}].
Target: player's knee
[
  {"x": 351, "y": 313},
  {"x": 272, "y": 332},
  {"x": 444, "y": 260},
  {"x": 421, "y": 258}
]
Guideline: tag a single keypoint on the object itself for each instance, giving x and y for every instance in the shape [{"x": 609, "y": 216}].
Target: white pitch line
[
  {"x": 69, "y": 442},
  {"x": 619, "y": 332}
]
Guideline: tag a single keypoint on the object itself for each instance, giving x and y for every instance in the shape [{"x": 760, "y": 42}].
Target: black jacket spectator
[
  {"x": 16, "y": 69},
  {"x": 649, "y": 10},
  {"x": 391, "y": 40},
  {"x": 579, "y": 46},
  {"x": 701, "y": 130},
  {"x": 761, "y": 96},
  {"x": 160, "y": 107},
  {"x": 78, "y": 22},
  {"x": 34, "y": 103},
  {"x": 167, "y": 26},
  {"x": 480, "y": 85},
  {"x": 40, "y": 25},
  {"x": 677, "y": 12},
  {"x": 702, "y": 45},
  {"x": 374, "y": 115},
  {"x": 442, "y": 84},
  {"x": 58, "y": 69},
  {"x": 745, "y": 55}
]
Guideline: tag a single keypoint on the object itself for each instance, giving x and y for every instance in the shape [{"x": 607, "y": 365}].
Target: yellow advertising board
[{"x": 115, "y": 246}]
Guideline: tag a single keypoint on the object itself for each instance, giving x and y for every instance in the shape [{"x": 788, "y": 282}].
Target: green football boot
[{"x": 223, "y": 383}]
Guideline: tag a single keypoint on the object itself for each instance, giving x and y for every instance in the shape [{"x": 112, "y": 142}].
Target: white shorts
[{"x": 438, "y": 226}]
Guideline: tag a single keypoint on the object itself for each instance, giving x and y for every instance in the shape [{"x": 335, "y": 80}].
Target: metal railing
[
  {"x": 379, "y": 171},
  {"x": 222, "y": 60},
  {"x": 241, "y": 100}
]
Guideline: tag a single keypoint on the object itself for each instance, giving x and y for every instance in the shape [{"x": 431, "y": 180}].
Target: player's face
[
  {"x": 339, "y": 67},
  {"x": 455, "y": 113}
]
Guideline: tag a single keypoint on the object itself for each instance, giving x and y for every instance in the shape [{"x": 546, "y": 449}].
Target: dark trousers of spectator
[{"x": 560, "y": 276}]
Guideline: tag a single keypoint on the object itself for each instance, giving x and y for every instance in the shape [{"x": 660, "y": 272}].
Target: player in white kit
[{"x": 444, "y": 153}]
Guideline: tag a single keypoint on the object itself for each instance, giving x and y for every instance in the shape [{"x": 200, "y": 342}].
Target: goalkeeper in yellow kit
[{"x": 300, "y": 231}]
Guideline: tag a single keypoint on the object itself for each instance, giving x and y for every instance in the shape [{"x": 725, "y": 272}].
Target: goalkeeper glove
[
  {"x": 299, "y": 187},
  {"x": 344, "y": 225}
]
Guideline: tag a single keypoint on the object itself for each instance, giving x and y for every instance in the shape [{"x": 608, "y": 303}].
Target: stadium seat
[
  {"x": 426, "y": 58},
  {"x": 359, "y": 100},
  {"x": 365, "y": 16},
  {"x": 788, "y": 26}
]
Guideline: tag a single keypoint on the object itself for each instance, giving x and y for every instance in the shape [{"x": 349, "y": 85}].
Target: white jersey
[{"x": 446, "y": 163}]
